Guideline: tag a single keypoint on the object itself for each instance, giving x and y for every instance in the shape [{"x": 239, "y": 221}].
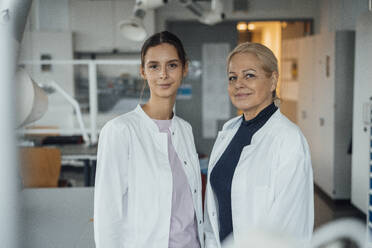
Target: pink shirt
[{"x": 183, "y": 226}]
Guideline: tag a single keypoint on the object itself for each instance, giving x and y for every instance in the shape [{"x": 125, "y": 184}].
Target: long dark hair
[{"x": 160, "y": 38}]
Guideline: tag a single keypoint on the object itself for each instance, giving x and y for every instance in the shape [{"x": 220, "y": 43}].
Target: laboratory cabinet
[
  {"x": 361, "y": 157},
  {"x": 325, "y": 97}
]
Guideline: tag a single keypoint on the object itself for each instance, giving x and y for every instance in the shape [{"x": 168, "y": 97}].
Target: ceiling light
[
  {"x": 251, "y": 26},
  {"x": 133, "y": 29},
  {"x": 241, "y": 26}
]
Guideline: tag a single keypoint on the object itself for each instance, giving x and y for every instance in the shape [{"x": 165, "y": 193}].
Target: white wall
[
  {"x": 94, "y": 24},
  {"x": 338, "y": 15}
]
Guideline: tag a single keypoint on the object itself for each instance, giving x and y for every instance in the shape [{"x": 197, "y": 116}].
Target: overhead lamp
[
  {"x": 211, "y": 17},
  {"x": 251, "y": 26},
  {"x": 215, "y": 15},
  {"x": 133, "y": 29},
  {"x": 241, "y": 26}
]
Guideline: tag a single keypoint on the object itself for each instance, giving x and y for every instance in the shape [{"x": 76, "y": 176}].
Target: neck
[
  {"x": 252, "y": 113},
  {"x": 160, "y": 108}
]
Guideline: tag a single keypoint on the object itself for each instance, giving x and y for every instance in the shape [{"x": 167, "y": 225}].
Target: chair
[{"x": 40, "y": 167}]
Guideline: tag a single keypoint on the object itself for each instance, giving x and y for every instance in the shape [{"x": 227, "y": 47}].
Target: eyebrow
[
  {"x": 170, "y": 61},
  {"x": 244, "y": 70}
]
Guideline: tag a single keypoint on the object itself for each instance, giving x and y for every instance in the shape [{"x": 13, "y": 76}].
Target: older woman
[{"x": 259, "y": 173}]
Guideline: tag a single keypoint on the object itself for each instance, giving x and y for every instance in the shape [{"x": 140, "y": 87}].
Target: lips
[
  {"x": 164, "y": 86},
  {"x": 242, "y": 95}
]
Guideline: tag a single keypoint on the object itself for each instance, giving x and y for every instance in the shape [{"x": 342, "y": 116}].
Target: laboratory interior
[{"x": 69, "y": 66}]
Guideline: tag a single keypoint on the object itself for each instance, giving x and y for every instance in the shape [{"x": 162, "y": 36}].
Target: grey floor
[{"x": 326, "y": 209}]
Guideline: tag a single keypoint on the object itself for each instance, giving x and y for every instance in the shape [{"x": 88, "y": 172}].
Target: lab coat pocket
[{"x": 260, "y": 203}]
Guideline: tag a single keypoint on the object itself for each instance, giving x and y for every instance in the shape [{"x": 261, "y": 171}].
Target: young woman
[
  {"x": 148, "y": 184},
  {"x": 260, "y": 174}
]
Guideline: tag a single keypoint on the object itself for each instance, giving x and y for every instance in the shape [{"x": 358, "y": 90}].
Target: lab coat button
[
  {"x": 172, "y": 133},
  {"x": 185, "y": 162},
  {"x": 200, "y": 222},
  {"x": 194, "y": 191}
]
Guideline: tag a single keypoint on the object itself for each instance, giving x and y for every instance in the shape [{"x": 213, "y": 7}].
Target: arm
[
  {"x": 293, "y": 208},
  {"x": 110, "y": 187}
]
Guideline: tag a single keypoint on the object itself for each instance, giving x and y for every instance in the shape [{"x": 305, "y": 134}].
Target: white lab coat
[
  {"x": 272, "y": 186},
  {"x": 133, "y": 187}
]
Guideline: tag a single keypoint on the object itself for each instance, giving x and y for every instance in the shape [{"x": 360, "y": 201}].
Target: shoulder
[
  {"x": 121, "y": 123},
  {"x": 182, "y": 123},
  {"x": 289, "y": 141},
  {"x": 284, "y": 129}
]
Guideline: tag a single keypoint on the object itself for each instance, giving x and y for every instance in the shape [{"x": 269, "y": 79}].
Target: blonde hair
[{"x": 263, "y": 53}]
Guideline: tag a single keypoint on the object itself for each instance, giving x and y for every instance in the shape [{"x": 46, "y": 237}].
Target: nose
[
  {"x": 163, "y": 73},
  {"x": 238, "y": 83}
]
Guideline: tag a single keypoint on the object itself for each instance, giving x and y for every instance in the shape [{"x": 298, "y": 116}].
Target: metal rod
[
  {"x": 81, "y": 62},
  {"x": 93, "y": 103},
  {"x": 76, "y": 107},
  {"x": 63, "y": 131}
]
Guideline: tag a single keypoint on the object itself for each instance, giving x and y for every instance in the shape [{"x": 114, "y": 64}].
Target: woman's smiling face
[
  {"x": 250, "y": 88},
  {"x": 163, "y": 70}
]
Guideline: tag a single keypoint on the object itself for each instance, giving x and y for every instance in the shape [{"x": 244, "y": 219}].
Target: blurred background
[{"x": 86, "y": 60}]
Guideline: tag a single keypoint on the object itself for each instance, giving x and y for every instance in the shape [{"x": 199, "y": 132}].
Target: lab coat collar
[
  {"x": 233, "y": 125},
  {"x": 148, "y": 122}
]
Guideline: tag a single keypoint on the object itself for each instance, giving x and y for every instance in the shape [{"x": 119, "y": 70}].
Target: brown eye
[
  {"x": 153, "y": 66},
  {"x": 173, "y": 65},
  {"x": 232, "y": 79},
  {"x": 249, "y": 75}
]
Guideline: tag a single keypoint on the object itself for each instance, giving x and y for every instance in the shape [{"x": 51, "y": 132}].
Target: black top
[{"x": 222, "y": 174}]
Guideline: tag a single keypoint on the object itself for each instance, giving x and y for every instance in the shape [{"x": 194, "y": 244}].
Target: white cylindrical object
[
  {"x": 340, "y": 229},
  {"x": 9, "y": 187},
  {"x": 13, "y": 16}
]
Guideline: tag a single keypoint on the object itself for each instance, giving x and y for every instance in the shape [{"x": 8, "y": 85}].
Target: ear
[
  {"x": 185, "y": 69},
  {"x": 142, "y": 72},
  {"x": 274, "y": 80}
]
